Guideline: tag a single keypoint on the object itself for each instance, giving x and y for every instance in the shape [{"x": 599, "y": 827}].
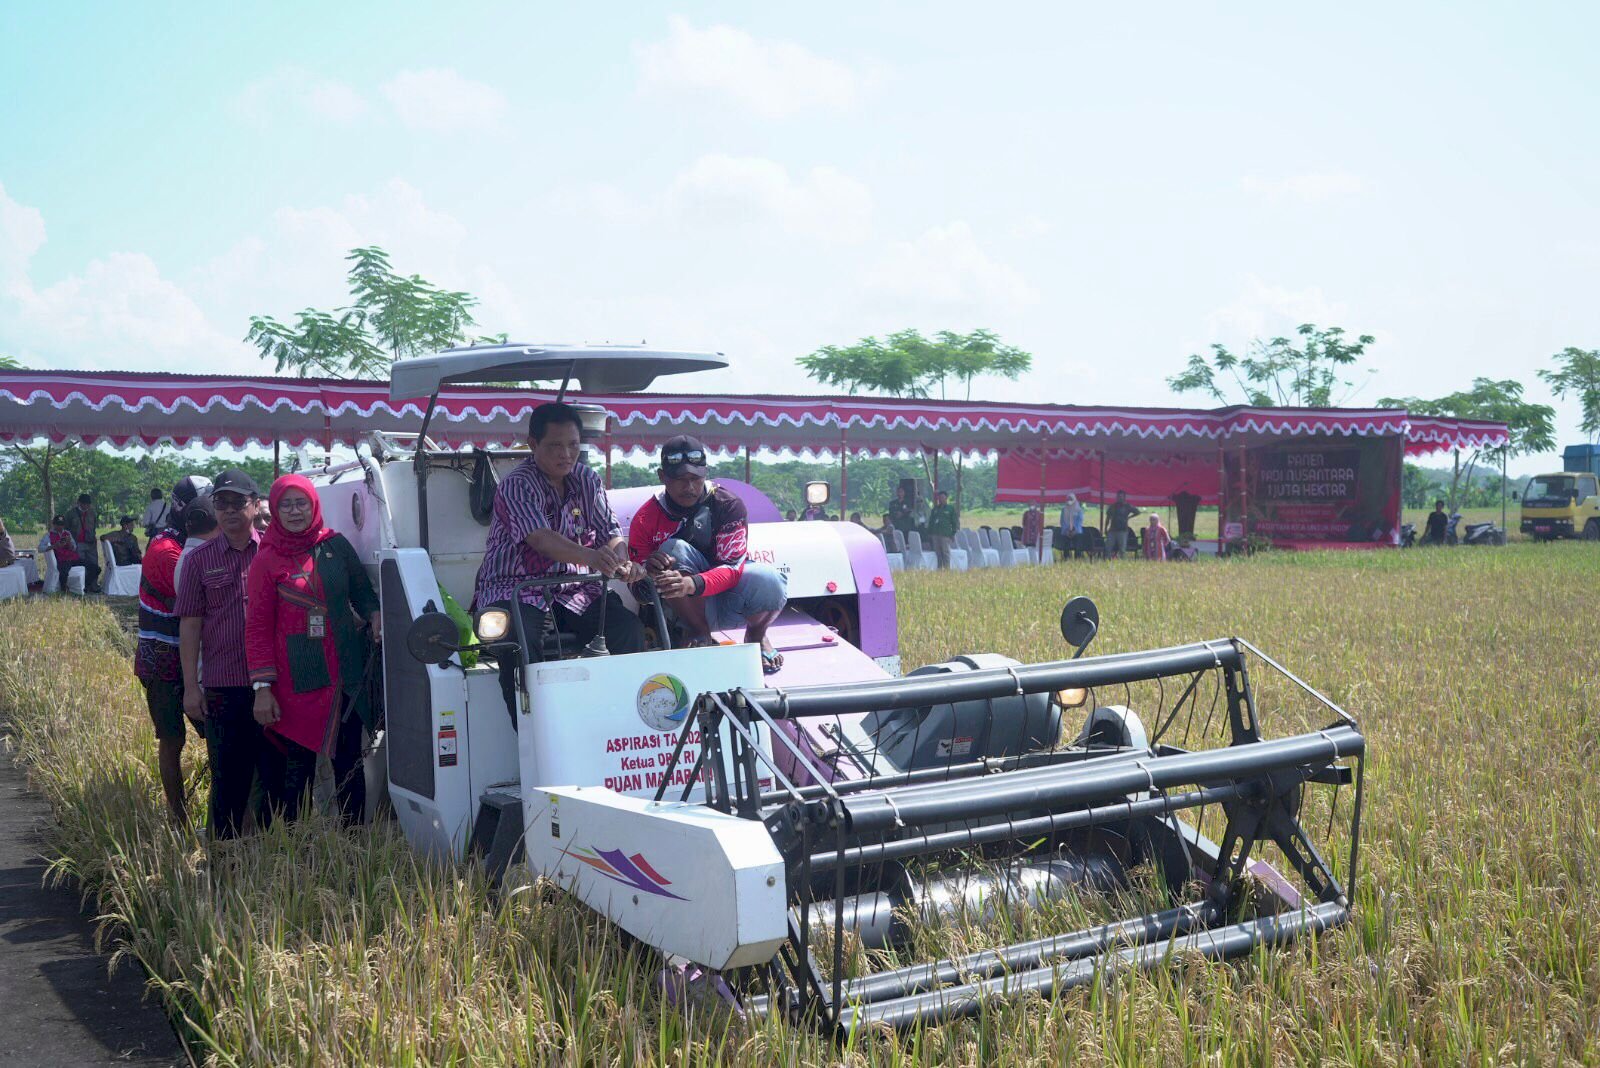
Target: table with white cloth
[{"x": 13, "y": 582}]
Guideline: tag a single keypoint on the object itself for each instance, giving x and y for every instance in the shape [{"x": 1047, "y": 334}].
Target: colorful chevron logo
[{"x": 632, "y": 871}]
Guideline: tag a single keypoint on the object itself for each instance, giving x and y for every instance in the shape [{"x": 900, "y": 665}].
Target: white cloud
[
  {"x": 718, "y": 190},
  {"x": 1264, "y": 311},
  {"x": 21, "y": 235},
  {"x": 297, "y": 89},
  {"x": 1309, "y": 187},
  {"x": 297, "y": 258},
  {"x": 440, "y": 99},
  {"x": 947, "y": 271},
  {"x": 768, "y": 77},
  {"x": 117, "y": 312}
]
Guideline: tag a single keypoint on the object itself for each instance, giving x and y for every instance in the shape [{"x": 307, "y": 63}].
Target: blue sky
[{"x": 1110, "y": 189}]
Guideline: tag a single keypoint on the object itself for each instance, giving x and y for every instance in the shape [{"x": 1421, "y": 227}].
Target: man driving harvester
[
  {"x": 551, "y": 517},
  {"x": 691, "y": 537}
]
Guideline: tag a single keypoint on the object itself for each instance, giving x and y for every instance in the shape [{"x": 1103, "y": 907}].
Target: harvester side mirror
[
  {"x": 433, "y": 638},
  {"x": 818, "y": 493},
  {"x": 1080, "y": 622},
  {"x": 1514, "y": 495}
]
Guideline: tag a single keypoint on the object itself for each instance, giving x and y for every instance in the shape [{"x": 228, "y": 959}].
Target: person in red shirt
[
  {"x": 155, "y": 658},
  {"x": 65, "y": 546},
  {"x": 692, "y": 539}
]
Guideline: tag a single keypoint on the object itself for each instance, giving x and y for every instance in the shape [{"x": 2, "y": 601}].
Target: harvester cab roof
[{"x": 829, "y": 837}]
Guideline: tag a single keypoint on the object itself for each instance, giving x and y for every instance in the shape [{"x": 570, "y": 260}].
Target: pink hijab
[{"x": 283, "y": 551}]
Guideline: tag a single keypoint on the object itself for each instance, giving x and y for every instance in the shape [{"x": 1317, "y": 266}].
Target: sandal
[{"x": 771, "y": 661}]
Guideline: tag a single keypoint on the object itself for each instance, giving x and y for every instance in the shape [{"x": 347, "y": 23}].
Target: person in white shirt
[{"x": 155, "y": 514}]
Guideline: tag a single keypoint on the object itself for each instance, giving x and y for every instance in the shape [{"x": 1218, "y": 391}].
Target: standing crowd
[{"x": 255, "y": 631}]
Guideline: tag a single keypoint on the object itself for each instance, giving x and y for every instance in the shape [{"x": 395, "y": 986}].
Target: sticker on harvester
[
  {"x": 949, "y": 747},
  {"x": 447, "y": 747}
]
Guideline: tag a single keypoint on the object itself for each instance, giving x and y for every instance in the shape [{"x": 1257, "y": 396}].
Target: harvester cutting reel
[{"x": 953, "y": 808}]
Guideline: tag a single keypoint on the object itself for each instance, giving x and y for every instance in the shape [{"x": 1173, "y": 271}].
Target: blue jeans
[{"x": 760, "y": 589}]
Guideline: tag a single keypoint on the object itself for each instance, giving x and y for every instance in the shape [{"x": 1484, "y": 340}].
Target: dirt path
[{"x": 61, "y": 1008}]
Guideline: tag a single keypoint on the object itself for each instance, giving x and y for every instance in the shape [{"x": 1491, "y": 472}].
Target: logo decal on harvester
[
  {"x": 663, "y": 701},
  {"x": 632, "y": 871}
]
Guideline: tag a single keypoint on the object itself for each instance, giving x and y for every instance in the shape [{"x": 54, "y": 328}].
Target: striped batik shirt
[
  {"x": 211, "y": 587},
  {"x": 526, "y": 502}
]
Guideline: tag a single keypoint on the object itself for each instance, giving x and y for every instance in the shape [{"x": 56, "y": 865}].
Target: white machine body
[{"x": 687, "y": 879}]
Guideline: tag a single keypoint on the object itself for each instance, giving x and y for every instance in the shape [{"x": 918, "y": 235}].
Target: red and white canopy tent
[{"x": 1045, "y": 450}]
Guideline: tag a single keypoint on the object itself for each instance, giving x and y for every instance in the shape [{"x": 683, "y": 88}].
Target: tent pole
[
  {"x": 1244, "y": 492},
  {"x": 1222, "y": 494},
  {"x": 1102, "y": 492},
  {"x": 608, "y": 450},
  {"x": 277, "y": 468},
  {"x": 747, "y": 464},
  {"x": 1041, "y": 476},
  {"x": 844, "y": 475},
  {"x": 1503, "y": 451}
]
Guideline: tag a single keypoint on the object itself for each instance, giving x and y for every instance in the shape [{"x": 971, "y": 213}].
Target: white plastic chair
[
  {"x": 117, "y": 581},
  {"x": 916, "y": 555},
  {"x": 976, "y": 557},
  {"x": 45, "y": 559},
  {"x": 895, "y": 548},
  {"x": 985, "y": 556},
  {"x": 1010, "y": 555}
]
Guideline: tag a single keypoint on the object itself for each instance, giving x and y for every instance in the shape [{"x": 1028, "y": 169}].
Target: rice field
[{"x": 1475, "y": 674}]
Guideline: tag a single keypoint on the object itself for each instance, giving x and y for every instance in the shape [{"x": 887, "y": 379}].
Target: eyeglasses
[
  {"x": 294, "y": 504},
  {"x": 697, "y": 457},
  {"x": 229, "y": 502}
]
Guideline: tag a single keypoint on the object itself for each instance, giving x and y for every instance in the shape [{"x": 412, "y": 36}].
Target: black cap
[
  {"x": 126, "y": 519},
  {"x": 234, "y": 480},
  {"x": 683, "y": 454}
]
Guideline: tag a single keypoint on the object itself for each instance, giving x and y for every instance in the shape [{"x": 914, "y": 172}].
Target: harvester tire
[{"x": 1591, "y": 530}]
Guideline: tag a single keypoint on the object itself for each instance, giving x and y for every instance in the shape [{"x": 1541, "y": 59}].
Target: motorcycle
[
  {"x": 1408, "y": 535},
  {"x": 1483, "y": 534}
]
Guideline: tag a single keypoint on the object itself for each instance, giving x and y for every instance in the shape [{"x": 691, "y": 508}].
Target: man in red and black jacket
[
  {"x": 692, "y": 539},
  {"x": 155, "y": 660}
]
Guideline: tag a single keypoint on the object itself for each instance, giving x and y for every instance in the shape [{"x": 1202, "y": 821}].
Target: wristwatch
[{"x": 261, "y": 685}]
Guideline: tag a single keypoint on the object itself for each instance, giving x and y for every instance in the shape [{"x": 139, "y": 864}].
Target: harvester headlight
[
  {"x": 1071, "y": 697},
  {"x": 493, "y": 624}
]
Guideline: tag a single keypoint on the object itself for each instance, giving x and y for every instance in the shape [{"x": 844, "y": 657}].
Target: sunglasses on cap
[{"x": 696, "y": 457}]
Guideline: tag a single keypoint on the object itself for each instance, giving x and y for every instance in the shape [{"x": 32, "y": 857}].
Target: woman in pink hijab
[
  {"x": 307, "y": 597},
  {"x": 1156, "y": 539}
]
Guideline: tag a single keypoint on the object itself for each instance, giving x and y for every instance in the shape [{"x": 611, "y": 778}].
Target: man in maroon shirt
[
  {"x": 693, "y": 538},
  {"x": 211, "y": 647}
]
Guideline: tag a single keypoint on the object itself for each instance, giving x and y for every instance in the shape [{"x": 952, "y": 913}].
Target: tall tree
[
  {"x": 42, "y": 457},
  {"x": 390, "y": 317},
  {"x": 1579, "y": 374},
  {"x": 1302, "y": 371},
  {"x": 906, "y": 364},
  {"x": 1531, "y": 426}
]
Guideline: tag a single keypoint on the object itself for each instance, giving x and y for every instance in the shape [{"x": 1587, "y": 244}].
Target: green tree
[
  {"x": 1531, "y": 426},
  {"x": 906, "y": 364},
  {"x": 390, "y": 317},
  {"x": 1302, "y": 371},
  {"x": 1579, "y": 375}
]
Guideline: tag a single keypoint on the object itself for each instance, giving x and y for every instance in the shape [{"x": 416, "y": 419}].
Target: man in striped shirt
[{"x": 551, "y": 517}]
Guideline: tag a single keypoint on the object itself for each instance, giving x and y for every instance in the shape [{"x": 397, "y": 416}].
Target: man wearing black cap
[
  {"x": 124, "y": 546},
  {"x": 692, "y": 537},
  {"x": 155, "y": 658},
  {"x": 216, "y": 679}
]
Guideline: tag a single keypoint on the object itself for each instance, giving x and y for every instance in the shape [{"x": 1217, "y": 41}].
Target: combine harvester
[{"x": 820, "y": 837}]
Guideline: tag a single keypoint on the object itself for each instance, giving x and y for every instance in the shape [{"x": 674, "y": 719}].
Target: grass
[{"x": 1477, "y": 931}]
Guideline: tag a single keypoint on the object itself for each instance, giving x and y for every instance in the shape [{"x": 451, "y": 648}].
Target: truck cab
[{"x": 1565, "y": 504}]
